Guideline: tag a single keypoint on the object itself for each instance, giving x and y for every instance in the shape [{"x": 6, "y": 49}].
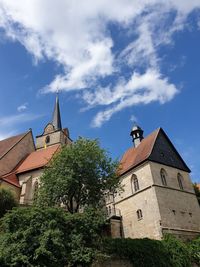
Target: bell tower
[
  {"x": 53, "y": 132},
  {"x": 137, "y": 135}
]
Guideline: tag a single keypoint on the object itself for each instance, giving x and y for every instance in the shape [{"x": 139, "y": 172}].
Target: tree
[
  {"x": 78, "y": 176},
  {"x": 197, "y": 192},
  {"x": 49, "y": 237},
  {"x": 7, "y": 201}
]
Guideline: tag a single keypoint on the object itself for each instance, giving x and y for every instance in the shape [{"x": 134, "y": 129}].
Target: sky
[{"x": 115, "y": 63}]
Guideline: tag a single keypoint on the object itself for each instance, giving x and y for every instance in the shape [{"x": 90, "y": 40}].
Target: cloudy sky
[{"x": 114, "y": 63}]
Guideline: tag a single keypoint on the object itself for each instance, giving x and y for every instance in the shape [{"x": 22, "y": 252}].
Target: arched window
[
  {"x": 35, "y": 190},
  {"x": 163, "y": 176},
  {"x": 139, "y": 214},
  {"x": 134, "y": 183},
  {"x": 180, "y": 181}
]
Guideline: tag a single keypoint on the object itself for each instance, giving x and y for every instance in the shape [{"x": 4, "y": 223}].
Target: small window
[
  {"x": 180, "y": 181},
  {"x": 163, "y": 176},
  {"x": 47, "y": 139},
  {"x": 135, "y": 183},
  {"x": 139, "y": 214}
]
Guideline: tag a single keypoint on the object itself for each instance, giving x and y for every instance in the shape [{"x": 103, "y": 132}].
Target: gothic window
[
  {"x": 180, "y": 181},
  {"x": 139, "y": 214},
  {"x": 35, "y": 190},
  {"x": 163, "y": 176},
  {"x": 134, "y": 183}
]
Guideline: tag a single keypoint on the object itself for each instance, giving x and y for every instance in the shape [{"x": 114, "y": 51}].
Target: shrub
[
  {"x": 7, "y": 201},
  {"x": 141, "y": 252},
  {"x": 178, "y": 251},
  {"x": 194, "y": 248}
]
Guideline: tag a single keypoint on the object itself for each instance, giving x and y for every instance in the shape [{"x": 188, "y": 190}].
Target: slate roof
[
  {"x": 9, "y": 143},
  {"x": 136, "y": 155},
  {"x": 37, "y": 159}
]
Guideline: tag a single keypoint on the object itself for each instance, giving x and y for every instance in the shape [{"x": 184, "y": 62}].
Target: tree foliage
[
  {"x": 78, "y": 176},
  {"x": 194, "y": 248},
  {"x": 179, "y": 254},
  {"x": 49, "y": 237},
  {"x": 7, "y": 201},
  {"x": 140, "y": 252}
]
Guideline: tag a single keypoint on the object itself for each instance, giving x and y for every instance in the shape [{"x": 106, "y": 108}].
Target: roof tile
[
  {"x": 37, "y": 159},
  {"x": 136, "y": 155}
]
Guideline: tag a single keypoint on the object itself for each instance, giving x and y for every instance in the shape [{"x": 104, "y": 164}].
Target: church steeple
[{"x": 56, "y": 119}]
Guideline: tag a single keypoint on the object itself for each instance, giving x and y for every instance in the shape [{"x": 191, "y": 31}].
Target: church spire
[{"x": 56, "y": 119}]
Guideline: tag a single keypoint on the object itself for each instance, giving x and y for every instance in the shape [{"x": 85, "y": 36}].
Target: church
[{"x": 157, "y": 196}]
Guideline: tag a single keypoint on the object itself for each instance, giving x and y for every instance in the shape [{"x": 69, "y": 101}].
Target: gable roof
[
  {"x": 7, "y": 144},
  {"x": 136, "y": 155},
  {"x": 11, "y": 178},
  {"x": 37, "y": 159},
  {"x": 146, "y": 150}
]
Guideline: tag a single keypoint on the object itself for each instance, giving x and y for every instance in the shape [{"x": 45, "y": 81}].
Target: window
[
  {"x": 139, "y": 214},
  {"x": 163, "y": 176},
  {"x": 135, "y": 184},
  {"x": 180, "y": 181},
  {"x": 47, "y": 139}
]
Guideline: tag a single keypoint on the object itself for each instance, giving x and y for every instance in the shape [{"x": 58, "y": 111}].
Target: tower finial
[{"x": 56, "y": 120}]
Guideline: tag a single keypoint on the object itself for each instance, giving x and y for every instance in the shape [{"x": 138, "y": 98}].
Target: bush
[
  {"x": 7, "y": 201},
  {"x": 194, "y": 248},
  {"x": 49, "y": 237},
  {"x": 141, "y": 252},
  {"x": 178, "y": 251}
]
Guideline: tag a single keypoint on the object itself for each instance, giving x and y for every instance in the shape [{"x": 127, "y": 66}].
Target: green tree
[
  {"x": 197, "y": 192},
  {"x": 78, "y": 176},
  {"x": 49, "y": 237},
  {"x": 7, "y": 201}
]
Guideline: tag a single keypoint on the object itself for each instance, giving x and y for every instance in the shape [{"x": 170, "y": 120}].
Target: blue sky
[{"x": 114, "y": 62}]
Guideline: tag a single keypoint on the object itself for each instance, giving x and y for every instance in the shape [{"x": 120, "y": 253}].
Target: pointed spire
[{"x": 56, "y": 120}]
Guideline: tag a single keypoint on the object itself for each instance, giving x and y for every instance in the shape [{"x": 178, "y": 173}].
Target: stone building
[{"x": 157, "y": 196}]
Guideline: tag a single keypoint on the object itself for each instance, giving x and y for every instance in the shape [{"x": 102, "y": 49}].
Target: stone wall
[
  {"x": 27, "y": 181},
  {"x": 179, "y": 209}
]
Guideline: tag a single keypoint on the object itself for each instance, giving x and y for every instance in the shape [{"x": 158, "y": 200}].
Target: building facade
[{"x": 157, "y": 196}]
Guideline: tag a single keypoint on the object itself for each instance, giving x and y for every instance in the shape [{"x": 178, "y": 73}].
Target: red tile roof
[
  {"x": 7, "y": 144},
  {"x": 136, "y": 155},
  {"x": 11, "y": 178},
  {"x": 37, "y": 159}
]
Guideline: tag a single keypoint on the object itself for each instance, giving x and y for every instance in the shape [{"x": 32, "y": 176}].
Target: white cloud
[
  {"x": 76, "y": 35},
  {"x": 10, "y": 121},
  {"x": 140, "y": 89},
  {"x": 22, "y": 107}
]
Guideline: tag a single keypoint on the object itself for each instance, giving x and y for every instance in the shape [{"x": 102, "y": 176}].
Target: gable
[{"x": 165, "y": 153}]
